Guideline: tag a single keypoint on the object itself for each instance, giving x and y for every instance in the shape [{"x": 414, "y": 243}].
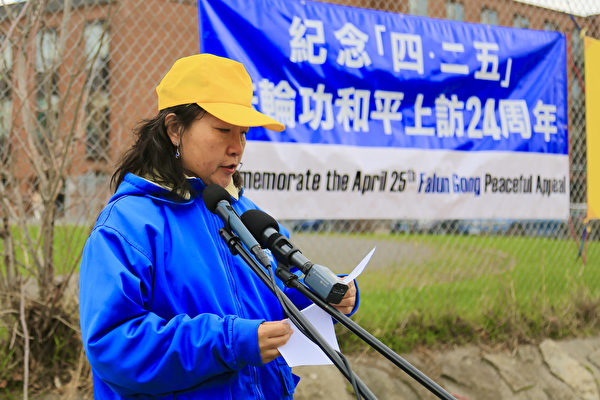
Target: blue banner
[{"x": 348, "y": 76}]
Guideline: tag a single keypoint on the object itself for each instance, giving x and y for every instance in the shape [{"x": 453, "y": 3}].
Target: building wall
[{"x": 147, "y": 36}]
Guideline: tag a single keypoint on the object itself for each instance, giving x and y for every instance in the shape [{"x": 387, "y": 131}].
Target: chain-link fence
[{"x": 76, "y": 76}]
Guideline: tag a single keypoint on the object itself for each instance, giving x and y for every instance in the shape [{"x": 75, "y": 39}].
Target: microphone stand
[
  {"x": 235, "y": 246},
  {"x": 291, "y": 280}
]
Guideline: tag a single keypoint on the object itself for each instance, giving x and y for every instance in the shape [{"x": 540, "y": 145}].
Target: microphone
[
  {"x": 317, "y": 277},
  {"x": 216, "y": 199}
]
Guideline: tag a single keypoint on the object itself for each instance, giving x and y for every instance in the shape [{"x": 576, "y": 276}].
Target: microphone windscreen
[
  {"x": 257, "y": 222},
  {"x": 212, "y": 195}
]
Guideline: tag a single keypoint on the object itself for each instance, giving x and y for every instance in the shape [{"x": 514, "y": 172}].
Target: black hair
[{"x": 152, "y": 156}]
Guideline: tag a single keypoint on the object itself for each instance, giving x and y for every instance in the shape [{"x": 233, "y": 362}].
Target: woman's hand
[
  {"x": 348, "y": 301},
  {"x": 271, "y": 335}
]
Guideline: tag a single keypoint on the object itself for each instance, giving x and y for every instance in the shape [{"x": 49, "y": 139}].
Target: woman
[{"x": 166, "y": 310}]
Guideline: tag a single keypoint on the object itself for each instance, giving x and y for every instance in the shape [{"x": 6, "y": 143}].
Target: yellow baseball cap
[{"x": 219, "y": 85}]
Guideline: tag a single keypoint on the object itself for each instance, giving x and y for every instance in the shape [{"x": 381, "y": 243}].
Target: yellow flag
[{"x": 592, "y": 108}]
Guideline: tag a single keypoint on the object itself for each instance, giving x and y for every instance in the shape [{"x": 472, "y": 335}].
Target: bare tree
[{"x": 53, "y": 101}]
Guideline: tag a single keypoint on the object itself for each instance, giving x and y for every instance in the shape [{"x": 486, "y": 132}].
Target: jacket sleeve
[{"x": 136, "y": 351}]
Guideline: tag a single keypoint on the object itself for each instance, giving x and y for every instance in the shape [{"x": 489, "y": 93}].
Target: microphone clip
[{"x": 230, "y": 239}]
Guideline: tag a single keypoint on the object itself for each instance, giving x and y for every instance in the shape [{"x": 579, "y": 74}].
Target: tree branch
[{"x": 26, "y": 341}]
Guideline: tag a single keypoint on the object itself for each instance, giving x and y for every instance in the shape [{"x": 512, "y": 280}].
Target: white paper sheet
[
  {"x": 359, "y": 268},
  {"x": 299, "y": 350}
]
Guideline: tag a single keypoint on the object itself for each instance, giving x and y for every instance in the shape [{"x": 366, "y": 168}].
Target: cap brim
[{"x": 239, "y": 115}]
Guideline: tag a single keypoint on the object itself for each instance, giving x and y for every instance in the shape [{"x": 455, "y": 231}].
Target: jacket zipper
[{"x": 229, "y": 262}]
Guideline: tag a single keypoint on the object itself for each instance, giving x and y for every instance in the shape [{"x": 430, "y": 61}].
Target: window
[
  {"x": 489, "y": 16},
  {"x": 455, "y": 10},
  {"x": 417, "y": 7},
  {"x": 97, "y": 55},
  {"x": 98, "y": 126},
  {"x": 46, "y": 62},
  {"x": 46, "y": 67},
  {"x": 46, "y": 112},
  {"x": 5, "y": 95},
  {"x": 46, "y": 54},
  {"x": 93, "y": 183},
  {"x": 520, "y": 21},
  {"x": 5, "y": 117},
  {"x": 86, "y": 194},
  {"x": 551, "y": 26}
]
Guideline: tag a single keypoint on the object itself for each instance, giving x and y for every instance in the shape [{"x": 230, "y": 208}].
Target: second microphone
[{"x": 320, "y": 279}]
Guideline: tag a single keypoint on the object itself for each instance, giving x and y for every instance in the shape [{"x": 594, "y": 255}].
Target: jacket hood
[{"x": 134, "y": 185}]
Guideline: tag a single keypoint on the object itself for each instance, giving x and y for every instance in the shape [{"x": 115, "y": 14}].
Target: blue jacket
[{"x": 166, "y": 310}]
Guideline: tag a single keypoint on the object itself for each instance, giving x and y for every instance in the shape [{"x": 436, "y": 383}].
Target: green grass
[
  {"x": 470, "y": 288},
  {"x": 455, "y": 289},
  {"x": 68, "y": 242}
]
